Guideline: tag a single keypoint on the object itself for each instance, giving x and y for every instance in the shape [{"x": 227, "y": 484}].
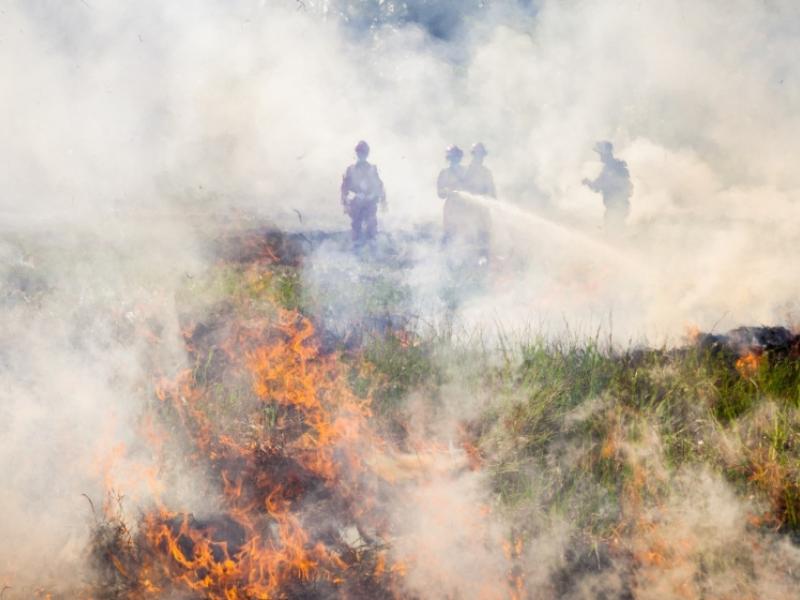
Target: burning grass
[
  {"x": 400, "y": 464},
  {"x": 295, "y": 495},
  {"x": 301, "y": 483}
]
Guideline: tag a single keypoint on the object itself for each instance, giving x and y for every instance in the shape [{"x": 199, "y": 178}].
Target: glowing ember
[{"x": 748, "y": 365}]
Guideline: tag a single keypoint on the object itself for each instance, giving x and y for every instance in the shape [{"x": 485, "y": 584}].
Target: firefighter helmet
[
  {"x": 479, "y": 149},
  {"x": 604, "y": 147},
  {"x": 453, "y": 151},
  {"x": 362, "y": 147}
]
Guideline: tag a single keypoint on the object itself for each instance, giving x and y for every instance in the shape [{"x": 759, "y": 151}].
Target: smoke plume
[{"x": 136, "y": 132}]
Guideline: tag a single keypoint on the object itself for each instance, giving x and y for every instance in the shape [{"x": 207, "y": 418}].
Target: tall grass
[{"x": 563, "y": 424}]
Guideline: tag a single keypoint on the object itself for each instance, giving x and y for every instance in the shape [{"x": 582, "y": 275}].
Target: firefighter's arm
[
  {"x": 441, "y": 189},
  {"x": 381, "y": 190}
]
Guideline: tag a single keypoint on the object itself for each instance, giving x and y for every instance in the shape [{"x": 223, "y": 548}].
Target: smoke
[
  {"x": 85, "y": 318},
  {"x": 134, "y": 130}
]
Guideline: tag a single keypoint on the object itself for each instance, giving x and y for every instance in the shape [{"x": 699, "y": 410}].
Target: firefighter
[
  {"x": 362, "y": 191},
  {"x": 478, "y": 178},
  {"x": 614, "y": 183},
  {"x": 448, "y": 184},
  {"x": 451, "y": 179}
]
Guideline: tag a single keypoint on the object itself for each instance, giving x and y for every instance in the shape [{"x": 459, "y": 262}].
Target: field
[
  {"x": 377, "y": 456},
  {"x": 568, "y": 367}
]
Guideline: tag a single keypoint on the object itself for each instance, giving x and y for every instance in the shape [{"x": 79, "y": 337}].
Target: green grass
[
  {"x": 569, "y": 428},
  {"x": 611, "y": 446},
  {"x": 565, "y": 419}
]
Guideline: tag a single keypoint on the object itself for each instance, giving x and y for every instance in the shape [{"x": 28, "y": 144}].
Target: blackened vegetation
[
  {"x": 293, "y": 248},
  {"x": 378, "y": 301},
  {"x": 778, "y": 342},
  {"x": 114, "y": 557},
  {"x": 762, "y": 362},
  {"x": 268, "y": 244},
  {"x": 591, "y": 565}
]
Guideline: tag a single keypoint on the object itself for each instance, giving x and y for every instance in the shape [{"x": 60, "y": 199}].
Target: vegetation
[
  {"x": 542, "y": 399},
  {"x": 635, "y": 465}
]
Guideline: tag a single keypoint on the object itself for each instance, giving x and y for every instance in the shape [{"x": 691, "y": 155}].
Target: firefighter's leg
[
  {"x": 371, "y": 219},
  {"x": 446, "y": 222},
  {"x": 356, "y": 220}
]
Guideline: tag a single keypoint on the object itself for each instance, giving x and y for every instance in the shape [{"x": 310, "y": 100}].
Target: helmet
[
  {"x": 453, "y": 151},
  {"x": 362, "y": 147},
  {"x": 604, "y": 147},
  {"x": 479, "y": 149}
]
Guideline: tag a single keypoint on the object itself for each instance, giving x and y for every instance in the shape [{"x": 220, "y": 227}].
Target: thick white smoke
[{"x": 133, "y": 128}]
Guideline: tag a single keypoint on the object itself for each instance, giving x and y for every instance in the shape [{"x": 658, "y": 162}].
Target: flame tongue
[
  {"x": 303, "y": 482},
  {"x": 293, "y": 495},
  {"x": 748, "y": 364}
]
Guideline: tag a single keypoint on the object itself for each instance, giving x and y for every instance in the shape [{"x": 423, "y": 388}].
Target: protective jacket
[
  {"x": 479, "y": 180},
  {"x": 362, "y": 183},
  {"x": 362, "y": 189},
  {"x": 450, "y": 180},
  {"x": 614, "y": 182}
]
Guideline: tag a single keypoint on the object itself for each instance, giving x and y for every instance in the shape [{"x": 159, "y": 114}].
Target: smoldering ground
[{"x": 125, "y": 123}]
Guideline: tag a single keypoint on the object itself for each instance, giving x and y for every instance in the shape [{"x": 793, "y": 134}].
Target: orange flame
[
  {"x": 748, "y": 365},
  {"x": 260, "y": 547},
  {"x": 301, "y": 444}
]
